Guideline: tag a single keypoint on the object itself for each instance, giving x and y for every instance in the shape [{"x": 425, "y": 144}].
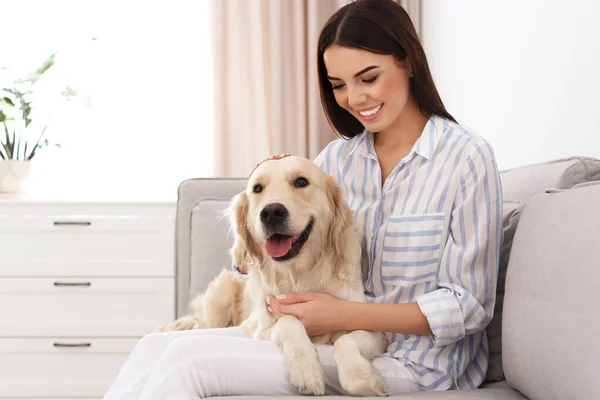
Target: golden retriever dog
[
  {"x": 295, "y": 226},
  {"x": 226, "y": 302}
]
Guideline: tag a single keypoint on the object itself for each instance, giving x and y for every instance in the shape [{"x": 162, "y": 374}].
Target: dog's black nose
[{"x": 274, "y": 214}]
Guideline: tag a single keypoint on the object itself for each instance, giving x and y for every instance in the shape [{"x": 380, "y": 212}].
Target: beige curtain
[
  {"x": 266, "y": 91},
  {"x": 413, "y": 8}
]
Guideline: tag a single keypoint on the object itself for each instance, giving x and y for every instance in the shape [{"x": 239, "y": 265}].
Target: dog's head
[{"x": 290, "y": 209}]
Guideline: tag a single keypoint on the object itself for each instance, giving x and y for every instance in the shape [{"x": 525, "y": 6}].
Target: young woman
[
  {"x": 427, "y": 194},
  {"x": 426, "y": 191}
]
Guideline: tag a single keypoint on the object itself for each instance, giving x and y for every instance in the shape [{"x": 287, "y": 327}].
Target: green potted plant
[{"x": 20, "y": 141}]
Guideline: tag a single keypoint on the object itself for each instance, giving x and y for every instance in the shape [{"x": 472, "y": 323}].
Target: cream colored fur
[
  {"x": 226, "y": 302},
  {"x": 329, "y": 262}
]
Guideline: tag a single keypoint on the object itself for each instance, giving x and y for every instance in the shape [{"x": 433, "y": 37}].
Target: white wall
[
  {"x": 524, "y": 74},
  {"x": 149, "y": 76}
]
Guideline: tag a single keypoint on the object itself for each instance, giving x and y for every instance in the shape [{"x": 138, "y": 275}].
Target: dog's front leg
[
  {"x": 302, "y": 360},
  {"x": 259, "y": 323},
  {"x": 353, "y": 353},
  {"x": 265, "y": 320},
  {"x": 250, "y": 326}
]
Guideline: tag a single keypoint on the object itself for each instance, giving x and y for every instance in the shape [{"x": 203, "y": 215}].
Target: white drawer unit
[
  {"x": 31, "y": 307},
  {"x": 80, "y": 283},
  {"x": 60, "y": 367},
  {"x": 53, "y": 242}
]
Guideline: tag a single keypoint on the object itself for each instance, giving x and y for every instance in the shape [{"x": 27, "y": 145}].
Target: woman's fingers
[{"x": 278, "y": 309}]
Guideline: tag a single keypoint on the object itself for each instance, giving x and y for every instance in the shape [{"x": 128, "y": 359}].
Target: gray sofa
[{"x": 542, "y": 336}]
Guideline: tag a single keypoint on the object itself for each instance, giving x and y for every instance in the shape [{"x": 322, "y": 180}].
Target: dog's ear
[
  {"x": 341, "y": 216},
  {"x": 244, "y": 245}
]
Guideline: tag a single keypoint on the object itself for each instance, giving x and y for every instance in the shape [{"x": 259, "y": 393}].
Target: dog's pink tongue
[{"x": 279, "y": 247}]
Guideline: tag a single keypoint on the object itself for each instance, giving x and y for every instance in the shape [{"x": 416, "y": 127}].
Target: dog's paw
[
  {"x": 306, "y": 372},
  {"x": 250, "y": 325},
  {"x": 308, "y": 379},
  {"x": 359, "y": 378}
]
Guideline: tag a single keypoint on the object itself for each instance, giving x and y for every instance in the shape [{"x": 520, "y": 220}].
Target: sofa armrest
[
  {"x": 202, "y": 235},
  {"x": 549, "y": 330}
]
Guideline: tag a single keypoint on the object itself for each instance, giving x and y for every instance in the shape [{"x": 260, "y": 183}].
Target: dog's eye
[
  {"x": 300, "y": 182},
  {"x": 257, "y": 188}
]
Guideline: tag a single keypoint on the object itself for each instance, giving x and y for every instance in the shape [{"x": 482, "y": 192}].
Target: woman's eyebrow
[{"x": 362, "y": 71}]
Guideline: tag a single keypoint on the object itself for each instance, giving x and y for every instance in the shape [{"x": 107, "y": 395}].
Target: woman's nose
[{"x": 356, "y": 97}]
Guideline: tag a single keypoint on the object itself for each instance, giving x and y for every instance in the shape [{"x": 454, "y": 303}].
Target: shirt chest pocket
[{"x": 411, "y": 248}]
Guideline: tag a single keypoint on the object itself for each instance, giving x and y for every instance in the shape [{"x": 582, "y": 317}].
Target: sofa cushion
[
  {"x": 476, "y": 394},
  {"x": 549, "y": 326},
  {"x": 511, "y": 214},
  {"x": 191, "y": 192},
  {"x": 523, "y": 182},
  {"x": 212, "y": 239}
]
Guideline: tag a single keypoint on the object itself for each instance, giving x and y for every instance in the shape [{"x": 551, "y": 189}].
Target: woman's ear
[
  {"x": 244, "y": 244},
  {"x": 406, "y": 64},
  {"x": 341, "y": 215},
  {"x": 409, "y": 67}
]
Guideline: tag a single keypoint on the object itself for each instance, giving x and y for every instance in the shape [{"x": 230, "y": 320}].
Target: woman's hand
[{"x": 319, "y": 313}]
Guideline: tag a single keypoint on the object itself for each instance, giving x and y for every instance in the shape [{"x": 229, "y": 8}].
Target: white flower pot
[{"x": 14, "y": 175}]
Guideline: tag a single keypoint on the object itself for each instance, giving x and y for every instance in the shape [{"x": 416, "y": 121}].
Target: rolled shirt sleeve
[{"x": 467, "y": 278}]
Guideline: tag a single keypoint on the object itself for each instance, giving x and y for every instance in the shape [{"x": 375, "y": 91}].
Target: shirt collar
[
  {"x": 427, "y": 143},
  {"x": 363, "y": 143},
  {"x": 425, "y": 146}
]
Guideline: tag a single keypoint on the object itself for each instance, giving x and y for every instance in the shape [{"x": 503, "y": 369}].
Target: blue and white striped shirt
[{"x": 432, "y": 234}]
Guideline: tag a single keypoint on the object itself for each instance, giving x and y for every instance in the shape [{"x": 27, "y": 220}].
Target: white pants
[{"x": 222, "y": 362}]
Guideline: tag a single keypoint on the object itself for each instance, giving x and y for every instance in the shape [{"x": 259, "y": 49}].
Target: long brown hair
[{"x": 382, "y": 27}]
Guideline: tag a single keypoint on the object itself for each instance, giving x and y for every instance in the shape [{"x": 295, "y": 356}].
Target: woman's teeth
[{"x": 370, "y": 112}]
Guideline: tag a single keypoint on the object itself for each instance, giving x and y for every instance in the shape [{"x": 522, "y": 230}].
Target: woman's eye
[
  {"x": 336, "y": 87},
  {"x": 300, "y": 182},
  {"x": 257, "y": 188},
  {"x": 370, "y": 80}
]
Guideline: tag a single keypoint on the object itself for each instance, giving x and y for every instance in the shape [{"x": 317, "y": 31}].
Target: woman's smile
[{"x": 371, "y": 113}]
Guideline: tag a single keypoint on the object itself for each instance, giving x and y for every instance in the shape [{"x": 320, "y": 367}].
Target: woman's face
[{"x": 374, "y": 88}]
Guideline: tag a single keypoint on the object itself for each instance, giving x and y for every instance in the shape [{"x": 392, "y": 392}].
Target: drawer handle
[
  {"x": 77, "y": 223},
  {"x": 72, "y": 284},
  {"x": 72, "y": 345}
]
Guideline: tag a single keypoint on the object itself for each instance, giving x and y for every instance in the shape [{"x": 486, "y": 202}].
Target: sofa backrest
[
  {"x": 522, "y": 183},
  {"x": 550, "y": 321},
  {"x": 202, "y": 236}
]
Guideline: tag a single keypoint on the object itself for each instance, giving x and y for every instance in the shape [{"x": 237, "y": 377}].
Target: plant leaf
[
  {"x": 12, "y": 144},
  {"x": 18, "y": 143},
  {"x": 7, "y": 100},
  {"x": 5, "y": 149},
  {"x": 37, "y": 144},
  {"x": 7, "y": 146},
  {"x": 34, "y": 77},
  {"x": 69, "y": 92}
]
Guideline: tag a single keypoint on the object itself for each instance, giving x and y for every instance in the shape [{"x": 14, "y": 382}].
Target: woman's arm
[
  {"x": 463, "y": 302},
  {"x": 321, "y": 313},
  {"x": 400, "y": 318}
]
